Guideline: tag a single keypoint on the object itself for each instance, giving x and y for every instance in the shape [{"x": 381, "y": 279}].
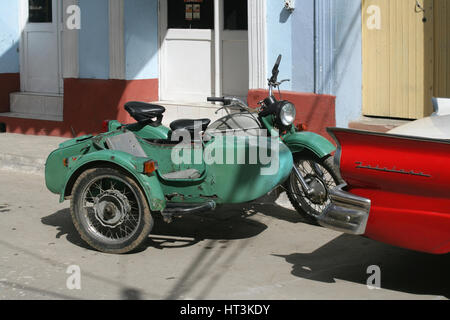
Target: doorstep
[
  {"x": 37, "y": 106},
  {"x": 382, "y": 125},
  {"x": 43, "y": 117}
]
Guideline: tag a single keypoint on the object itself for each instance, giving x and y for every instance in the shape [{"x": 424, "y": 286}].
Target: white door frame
[
  {"x": 256, "y": 41},
  {"x": 23, "y": 19},
  {"x": 257, "y": 44}
]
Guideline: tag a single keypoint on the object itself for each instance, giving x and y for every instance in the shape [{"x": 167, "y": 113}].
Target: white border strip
[
  {"x": 116, "y": 40},
  {"x": 70, "y": 39},
  {"x": 257, "y": 44}
]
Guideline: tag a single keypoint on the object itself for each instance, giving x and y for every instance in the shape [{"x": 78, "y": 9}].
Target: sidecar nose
[
  {"x": 286, "y": 163},
  {"x": 281, "y": 163}
]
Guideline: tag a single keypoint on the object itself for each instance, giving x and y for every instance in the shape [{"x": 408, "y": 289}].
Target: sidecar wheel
[
  {"x": 323, "y": 175},
  {"x": 110, "y": 211}
]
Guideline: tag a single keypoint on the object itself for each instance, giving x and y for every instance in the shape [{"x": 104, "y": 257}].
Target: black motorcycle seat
[
  {"x": 142, "y": 111},
  {"x": 189, "y": 125}
]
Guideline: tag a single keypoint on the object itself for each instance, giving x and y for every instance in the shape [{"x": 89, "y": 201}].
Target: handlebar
[
  {"x": 216, "y": 99},
  {"x": 230, "y": 102}
]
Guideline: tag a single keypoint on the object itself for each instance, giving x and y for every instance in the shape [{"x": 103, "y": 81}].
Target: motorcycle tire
[
  {"x": 110, "y": 211},
  {"x": 330, "y": 178}
]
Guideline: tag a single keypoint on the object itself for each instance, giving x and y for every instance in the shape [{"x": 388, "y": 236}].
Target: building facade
[{"x": 67, "y": 65}]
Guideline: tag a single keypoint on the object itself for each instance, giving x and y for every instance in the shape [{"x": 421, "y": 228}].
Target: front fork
[
  {"x": 308, "y": 190},
  {"x": 314, "y": 190}
]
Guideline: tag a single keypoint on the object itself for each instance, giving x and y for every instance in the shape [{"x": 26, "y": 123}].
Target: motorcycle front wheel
[{"x": 321, "y": 175}]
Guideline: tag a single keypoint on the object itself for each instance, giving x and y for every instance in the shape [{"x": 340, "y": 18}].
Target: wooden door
[
  {"x": 398, "y": 58},
  {"x": 441, "y": 48}
]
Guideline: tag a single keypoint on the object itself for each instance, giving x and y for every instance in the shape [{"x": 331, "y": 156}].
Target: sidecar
[{"x": 120, "y": 180}]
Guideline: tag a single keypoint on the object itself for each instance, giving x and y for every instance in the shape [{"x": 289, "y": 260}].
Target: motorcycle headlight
[{"x": 288, "y": 114}]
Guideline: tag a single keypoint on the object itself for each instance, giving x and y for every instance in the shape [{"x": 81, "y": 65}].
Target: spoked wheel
[
  {"x": 321, "y": 176},
  {"x": 110, "y": 211}
]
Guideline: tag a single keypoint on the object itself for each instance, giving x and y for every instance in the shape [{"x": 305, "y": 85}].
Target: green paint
[
  {"x": 234, "y": 177},
  {"x": 299, "y": 141}
]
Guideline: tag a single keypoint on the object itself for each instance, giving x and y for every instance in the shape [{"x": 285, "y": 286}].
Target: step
[
  {"x": 36, "y": 106},
  {"x": 43, "y": 117}
]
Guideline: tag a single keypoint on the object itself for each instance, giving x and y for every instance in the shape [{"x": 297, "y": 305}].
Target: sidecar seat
[
  {"x": 145, "y": 112},
  {"x": 190, "y": 125}
]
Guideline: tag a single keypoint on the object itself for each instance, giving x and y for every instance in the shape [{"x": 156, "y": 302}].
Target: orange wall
[
  {"x": 87, "y": 103},
  {"x": 9, "y": 82}
]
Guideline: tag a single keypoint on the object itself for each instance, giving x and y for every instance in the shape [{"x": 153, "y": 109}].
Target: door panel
[
  {"x": 398, "y": 58},
  {"x": 188, "y": 66},
  {"x": 235, "y": 63},
  {"x": 40, "y": 51},
  {"x": 442, "y": 46},
  {"x": 186, "y": 50}
]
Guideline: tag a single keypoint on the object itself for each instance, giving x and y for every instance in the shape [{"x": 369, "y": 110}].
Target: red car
[{"x": 397, "y": 188}]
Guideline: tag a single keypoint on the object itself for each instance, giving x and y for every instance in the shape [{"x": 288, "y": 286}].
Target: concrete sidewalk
[{"x": 26, "y": 153}]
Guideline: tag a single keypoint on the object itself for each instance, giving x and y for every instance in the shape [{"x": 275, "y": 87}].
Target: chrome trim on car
[
  {"x": 347, "y": 213},
  {"x": 338, "y": 154}
]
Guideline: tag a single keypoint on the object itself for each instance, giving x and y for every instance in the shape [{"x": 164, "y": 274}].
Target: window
[
  {"x": 40, "y": 11},
  {"x": 236, "y": 15},
  {"x": 191, "y": 14}
]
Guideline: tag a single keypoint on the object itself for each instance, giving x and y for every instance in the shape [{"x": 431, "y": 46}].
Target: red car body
[{"x": 397, "y": 190}]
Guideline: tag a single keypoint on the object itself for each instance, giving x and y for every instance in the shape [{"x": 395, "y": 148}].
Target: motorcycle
[
  {"x": 120, "y": 181},
  {"x": 313, "y": 173}
]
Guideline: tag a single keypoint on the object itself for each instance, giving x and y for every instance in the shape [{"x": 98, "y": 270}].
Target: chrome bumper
[{"x": 347, "y": 213}]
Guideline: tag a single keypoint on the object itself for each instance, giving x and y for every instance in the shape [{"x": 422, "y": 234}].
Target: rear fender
[
  {"x": 132, "y": 165},
  {"x": 313, "y": 142}
]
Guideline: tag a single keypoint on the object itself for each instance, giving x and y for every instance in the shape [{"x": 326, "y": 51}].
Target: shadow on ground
[
  {"x": 348, "y": 257},
  {"x": 226, "y": 223},
  {"x": 345, "y": 258}
]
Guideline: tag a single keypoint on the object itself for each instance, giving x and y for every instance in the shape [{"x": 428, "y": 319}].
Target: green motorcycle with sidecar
[{"x": 120, "y": 180}]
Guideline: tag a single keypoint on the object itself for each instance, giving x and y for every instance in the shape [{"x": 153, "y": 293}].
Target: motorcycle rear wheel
[{"x": 321, "y": 173}]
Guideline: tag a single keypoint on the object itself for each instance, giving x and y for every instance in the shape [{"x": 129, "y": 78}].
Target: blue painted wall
[
  {"x": 279, "y": 35},
  {"x": 303, "y": 68},
  {"x": 9, "y": 36},
  {"x": 292, "y": 35},
  {"x": 321, "y": 46},
  {"x": 94, "y": 39},
  {"x": 347, "y": 84},
  {"x": 141, "y": 39}
]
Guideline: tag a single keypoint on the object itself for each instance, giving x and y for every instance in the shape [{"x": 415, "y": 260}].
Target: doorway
[
  {"x": 397, "y": 58},
  {"x": 40, "y": 49},
  {"x": 189, "y": 71},
  {"x": 405, "y": 56}
]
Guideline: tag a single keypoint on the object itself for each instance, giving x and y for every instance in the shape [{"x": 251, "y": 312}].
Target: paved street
[{"x": 256, "y": 252}]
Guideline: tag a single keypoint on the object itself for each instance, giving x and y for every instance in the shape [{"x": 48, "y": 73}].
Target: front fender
[
  {"x": 131, "y": 164},
  {"x": 311, "y": 141}
]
